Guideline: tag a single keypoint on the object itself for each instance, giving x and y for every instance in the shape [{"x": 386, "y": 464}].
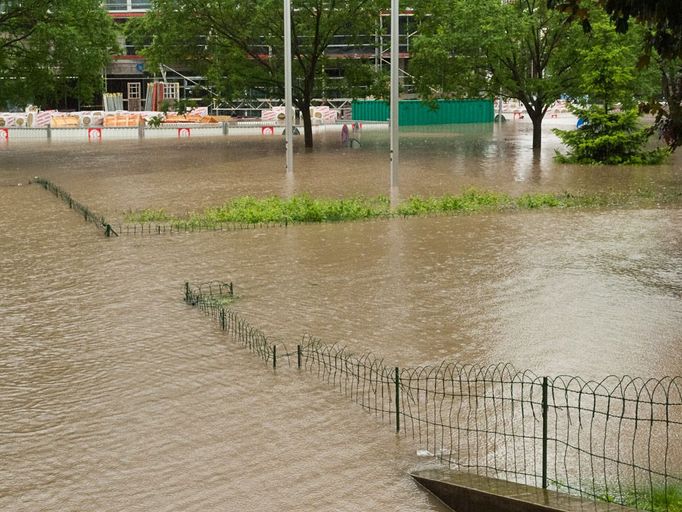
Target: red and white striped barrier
[
  {"x": 199, "y": 111},
  {"x": 43, "y": 118},
  {"x": 273, "y": 114},
  {"x": 323, "y": 115}
]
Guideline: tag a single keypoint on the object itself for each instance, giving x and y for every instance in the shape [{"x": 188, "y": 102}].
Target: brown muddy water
[{"x": 114, "y": 395}]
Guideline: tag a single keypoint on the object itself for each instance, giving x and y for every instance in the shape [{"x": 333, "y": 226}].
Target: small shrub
[
  {"x": 155, "y": 121},
  {"x": 612, "y": 138}
]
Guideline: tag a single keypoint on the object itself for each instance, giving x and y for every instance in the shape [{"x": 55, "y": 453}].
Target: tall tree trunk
[
  {"x": 307, "y": 124},
  {"x": 670, "y": 123},
  {"x": 537, "y": 118},
  {"x": 537, "y": 134}
]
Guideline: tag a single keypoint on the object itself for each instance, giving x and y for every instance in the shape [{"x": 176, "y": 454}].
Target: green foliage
[
  {"x": 471, "y": 200},
  {"x": 164, "y": 107},
  {"x": 182, "y": 107},
  {"x": 239, "y": 45},
  {"x": 608, "y": 67},
  {"x": 661, "y": 22},
  {"x": 521, "y": 50},
  {"x": 662, "y": 18},
  {"x": 657, "y": 499},
  {"x": 52, "y": 49},
  {"x": 149, "y": 215},
  {"x": 251, "y": 210},
  {"x": 608, "y": 138},
  {"x": 154, "y": 122}
]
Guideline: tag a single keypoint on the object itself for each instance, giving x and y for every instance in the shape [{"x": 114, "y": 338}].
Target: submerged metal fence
[
  {"x": 87, "y": 213},
  {"x": 618, "y": 439},
  {"x": 159, "y": 228},
  {"x": 152, "y": 228}
]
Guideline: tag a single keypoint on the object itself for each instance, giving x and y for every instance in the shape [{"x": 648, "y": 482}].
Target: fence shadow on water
[{"x": 618, "y": 439}]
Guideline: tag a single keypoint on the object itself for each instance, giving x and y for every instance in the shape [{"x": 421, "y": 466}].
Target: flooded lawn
[{"x": 117, "y": 396}]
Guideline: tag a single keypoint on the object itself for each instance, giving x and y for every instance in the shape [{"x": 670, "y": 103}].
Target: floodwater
[{"x": 114, "y": 395}]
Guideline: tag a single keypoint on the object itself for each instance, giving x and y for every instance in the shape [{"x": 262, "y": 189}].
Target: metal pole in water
[
  {"x": 544, "y": 432},
  {"x": 397, "y": 399},
  {"x": 288, "y": 95},
  {"x": 395, "y": 97}
]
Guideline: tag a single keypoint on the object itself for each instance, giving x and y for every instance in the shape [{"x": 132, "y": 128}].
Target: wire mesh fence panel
[
  {"x": 618, "y": 440},
  {"x": 486, "y": 419},
  {"x": 180, "y": 227},
  {"x": 87, "y": 213}
]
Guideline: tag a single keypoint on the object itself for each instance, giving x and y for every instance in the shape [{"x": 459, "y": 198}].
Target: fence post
[
  {"x": 222, "y": 318},
  {"x": 274, "y": 357},
  {"x": 397, "y": 399},
  {"x": 298, "y": 353},
  {"x": 187, "y": 292},
  {"x": 544, "y": 432}
]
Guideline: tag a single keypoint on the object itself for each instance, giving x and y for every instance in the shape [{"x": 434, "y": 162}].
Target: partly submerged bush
[
  {"x": 612, "y": 138},
  {"x": 275, "y": 210}
]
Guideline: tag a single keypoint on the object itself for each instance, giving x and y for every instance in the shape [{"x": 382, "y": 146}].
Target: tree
[
  {"x": 611, "y": 138},
  {"x": 240, "y": 45},
  {"x": 663, "y": 18},
  {"x": 663, "y": 45},
  {"x": 51, "y": 50},
  {"x": 520, "y": 48},
  {"x": 608, "y": 69}
]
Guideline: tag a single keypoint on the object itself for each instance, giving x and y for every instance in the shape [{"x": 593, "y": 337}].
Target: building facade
[{"x": 128, "y": 71}]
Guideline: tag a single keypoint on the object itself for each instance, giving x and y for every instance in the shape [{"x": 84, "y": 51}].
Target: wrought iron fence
[
  {"x": 150, "y": 228},
  {"x": 87, "y": 213},
  {"x": 153, "y": 228},
  {"x": 618, "y": 439}
]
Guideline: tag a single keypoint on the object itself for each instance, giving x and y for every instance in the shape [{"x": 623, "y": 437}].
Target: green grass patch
[
  {"x": 303, "y": 208},
  {"x": 658, "y": 499}
]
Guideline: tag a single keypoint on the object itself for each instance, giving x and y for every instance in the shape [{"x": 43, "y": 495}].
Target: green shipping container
[{"x": 415, "y": 113}]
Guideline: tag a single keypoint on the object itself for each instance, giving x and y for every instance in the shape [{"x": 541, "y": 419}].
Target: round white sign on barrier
[
  {"x": 183, "y": 132},
  {"x": 4, "y": 134},
  {"x": 267, "y": 130},
  {"x": 94, "y": 134}
]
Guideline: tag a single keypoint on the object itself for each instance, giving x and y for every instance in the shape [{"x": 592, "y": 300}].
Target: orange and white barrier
[
  {"x": 189, "y": 118},
  {"x": 323, "y": 115},
  {"x": 122, "y": 120},
  {"x": 65, "y": 121}
]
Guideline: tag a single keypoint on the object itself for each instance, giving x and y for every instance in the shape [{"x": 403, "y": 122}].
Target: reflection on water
[
  {"x": 115, "y": 396},
  {"x": 186, "y": 175}
]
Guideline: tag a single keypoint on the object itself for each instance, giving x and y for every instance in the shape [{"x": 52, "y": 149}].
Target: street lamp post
[
  {"x": 395, "y": 97},
  {"x": 288, "y": 96}
]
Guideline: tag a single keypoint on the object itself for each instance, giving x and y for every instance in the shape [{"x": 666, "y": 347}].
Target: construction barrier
[
  {"x": 71, "y": 128},
  {"x": 123, "y": 120}
]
